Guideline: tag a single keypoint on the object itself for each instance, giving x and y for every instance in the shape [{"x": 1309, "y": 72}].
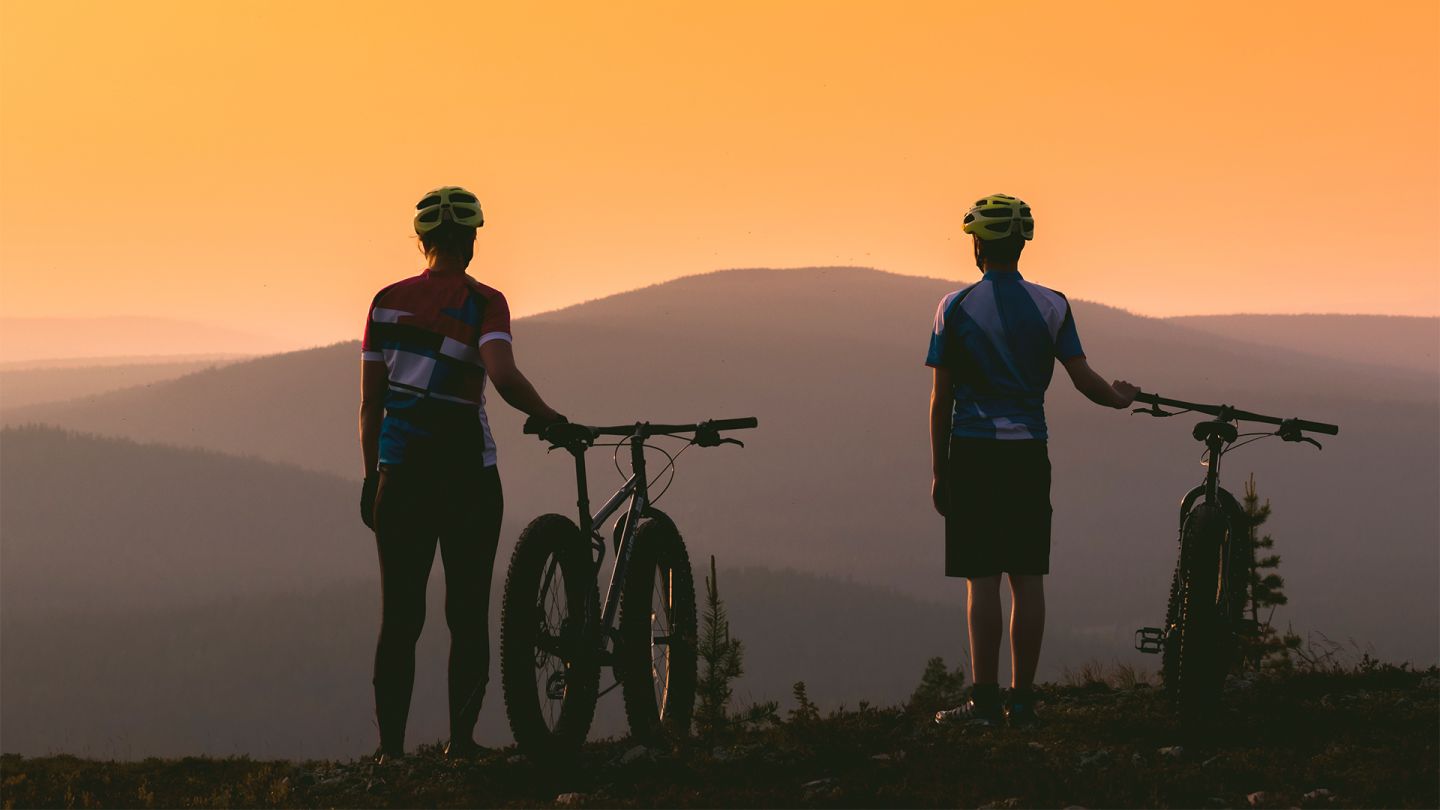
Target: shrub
[{"x": 939, "y": 688}]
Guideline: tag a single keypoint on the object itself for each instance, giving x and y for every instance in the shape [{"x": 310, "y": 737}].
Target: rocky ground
[{"x": 1369, "y": 738}]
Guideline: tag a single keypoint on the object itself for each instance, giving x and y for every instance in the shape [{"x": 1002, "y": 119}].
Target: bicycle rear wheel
[
  {"x": 1200, "y": 634},
  {"x": 655, "y": 659},
  {"x": 548, "y": 664},
  {"x": 1170, "y": 653}
]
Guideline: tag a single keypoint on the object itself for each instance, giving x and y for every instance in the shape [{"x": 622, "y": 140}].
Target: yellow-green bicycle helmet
[
  {"x": 447, "y": 203},
  {"x": 998, "y": 216}
]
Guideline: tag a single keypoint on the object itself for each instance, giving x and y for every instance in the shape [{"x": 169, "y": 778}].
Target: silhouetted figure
[
  {"x": 431, "y": 343},
  {"x": 993, "y": 349}
]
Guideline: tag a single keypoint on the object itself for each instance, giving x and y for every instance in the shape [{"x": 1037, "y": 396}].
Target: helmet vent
[{"x": 1000, "y": 216}]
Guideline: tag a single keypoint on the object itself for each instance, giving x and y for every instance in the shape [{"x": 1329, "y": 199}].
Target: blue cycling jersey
[{"x": 1000, "y": 338}]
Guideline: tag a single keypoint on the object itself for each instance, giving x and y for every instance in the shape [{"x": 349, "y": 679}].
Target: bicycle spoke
[
  {"x": 550, "y": 666},
  {"x": 660, "y": 618}
]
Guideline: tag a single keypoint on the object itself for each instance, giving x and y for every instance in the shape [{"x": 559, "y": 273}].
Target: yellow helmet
[
  {"x": 998, "y": 216},
  {"x": 447, "y": 203}
]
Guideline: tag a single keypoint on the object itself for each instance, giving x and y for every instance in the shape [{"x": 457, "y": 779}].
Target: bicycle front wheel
[
  {"x": 549, "y": 668},
  {"x": 657, "y": 650},
  {"x": 1201, "y": 650}
]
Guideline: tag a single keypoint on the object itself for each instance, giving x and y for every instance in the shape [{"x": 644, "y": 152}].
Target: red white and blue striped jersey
[
  {"x": 1000, "y": 338},
  {"x": 428, "y": 331}
]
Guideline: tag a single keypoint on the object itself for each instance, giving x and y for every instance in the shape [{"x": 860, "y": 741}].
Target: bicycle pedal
[{"x": 1150, "y": 640}]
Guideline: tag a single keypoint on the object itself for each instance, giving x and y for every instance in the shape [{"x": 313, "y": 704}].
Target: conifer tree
[
  {"x": 723, "y": 659},
  {"x": 1267, "y": 589},
  {"x": 805, "y": 710},
  {"x": 939, "y": 688}
]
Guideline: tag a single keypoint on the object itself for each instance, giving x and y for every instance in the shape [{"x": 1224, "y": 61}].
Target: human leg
[
  {"x": 982, "y": 610},
  {"x": 406, "y": 546},
  {"x": 468, "y": 543},
  {"x": 1027, "y": 627}
]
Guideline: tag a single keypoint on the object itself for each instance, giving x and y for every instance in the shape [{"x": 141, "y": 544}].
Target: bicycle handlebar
[
  {"x": 1229, "y": 413},
  {"x": 656, "y": 429}
]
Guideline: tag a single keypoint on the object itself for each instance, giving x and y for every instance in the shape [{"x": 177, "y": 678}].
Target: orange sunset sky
[{"x": 255, "y": 165}]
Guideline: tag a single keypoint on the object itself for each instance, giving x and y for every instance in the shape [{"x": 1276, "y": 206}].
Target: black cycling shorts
[{"x": 998, "y": 520}]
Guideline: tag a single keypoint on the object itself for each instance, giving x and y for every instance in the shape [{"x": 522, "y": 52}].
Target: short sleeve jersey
[
  {"x": 1000, "y": 338},
  {"x": 428, "y": 331}
]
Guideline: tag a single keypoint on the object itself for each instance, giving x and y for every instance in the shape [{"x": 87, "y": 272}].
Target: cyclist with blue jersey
[
  {"x": 432, "y": 342},
  {"x": 993, "y": 351}
]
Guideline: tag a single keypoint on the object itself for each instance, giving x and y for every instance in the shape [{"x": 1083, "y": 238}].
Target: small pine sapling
[
  {"x": 939, "y": 688},
  {"x": 805, "y": 711},
  {"x": 722, "y": 656},
  {"x": 1267, "y": 647}
]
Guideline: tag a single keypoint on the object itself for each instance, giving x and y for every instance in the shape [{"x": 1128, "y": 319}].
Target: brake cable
[
  {"x": 1257, "y": 436},
  {"x": 672, "y": 468},
  {"x": 669, "y": 467}
]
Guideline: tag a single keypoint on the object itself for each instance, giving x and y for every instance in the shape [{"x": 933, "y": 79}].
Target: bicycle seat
[{"x": 1224, "y": 430}]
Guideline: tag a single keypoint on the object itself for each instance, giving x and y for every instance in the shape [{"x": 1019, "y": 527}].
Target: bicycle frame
[{"x": 636, "y": 489}]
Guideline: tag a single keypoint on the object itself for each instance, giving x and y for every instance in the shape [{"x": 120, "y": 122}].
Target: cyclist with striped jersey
[{"x": 432, "y": 343}]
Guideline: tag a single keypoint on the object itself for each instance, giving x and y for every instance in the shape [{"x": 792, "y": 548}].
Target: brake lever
[
  {"x": 1290, "y": 433},
  {"x": 710, "y": 437}
]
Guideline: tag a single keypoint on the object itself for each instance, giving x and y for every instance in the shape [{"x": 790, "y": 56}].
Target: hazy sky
[{"x": 256, "y": 164}]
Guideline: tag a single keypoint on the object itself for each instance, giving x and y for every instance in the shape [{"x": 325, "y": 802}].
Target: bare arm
[
  {"x": 942, "y": 403},
  {"x": 1117, "y": 394},
  {"x": 499, "y": 359},
  {"x": 374, "y": 382}
]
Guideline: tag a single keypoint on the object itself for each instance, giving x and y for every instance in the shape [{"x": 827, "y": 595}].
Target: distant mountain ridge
[
  {"x": 25, "y": 384},
  {"x": 27, "y": 340},
  {"x": 94, "y": 524},
  {"x": 183, "y": 592},
  {"x": 1400, "y": 341},
  {"x": 835, "y": 481}
]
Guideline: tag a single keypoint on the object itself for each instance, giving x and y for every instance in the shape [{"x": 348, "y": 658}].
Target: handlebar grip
[
  {"x": 1316, "y": 427},
  {"x": 734, "y": 424}
]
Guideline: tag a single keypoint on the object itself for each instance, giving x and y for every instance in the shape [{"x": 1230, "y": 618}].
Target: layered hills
[{"x": 244, "y": 519}]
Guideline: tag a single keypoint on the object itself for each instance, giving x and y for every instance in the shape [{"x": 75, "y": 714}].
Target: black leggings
[{"x": 414, "y": 509}]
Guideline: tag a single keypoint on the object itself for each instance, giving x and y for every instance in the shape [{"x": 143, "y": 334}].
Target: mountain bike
[
  {"x": 555, "y": 636},
  {"x": 1205, "y": 619}
]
